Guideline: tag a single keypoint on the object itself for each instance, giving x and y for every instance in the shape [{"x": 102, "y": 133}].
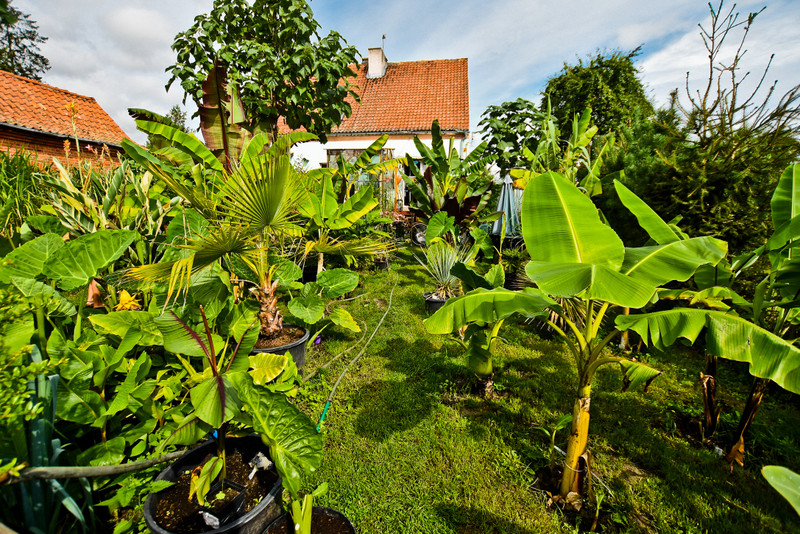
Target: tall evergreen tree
[{"x": 19, "y": 43}]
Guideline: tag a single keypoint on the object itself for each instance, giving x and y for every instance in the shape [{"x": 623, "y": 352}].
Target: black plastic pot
[
  {"x": 432, "y": 303},
  {"x": 297, "y": 349},
  {"x": 279, "y": 523},
  {"x": 252, "y": 522},
  {"x": 383, "y": 264},
  {"x": 309, "y": 274}
]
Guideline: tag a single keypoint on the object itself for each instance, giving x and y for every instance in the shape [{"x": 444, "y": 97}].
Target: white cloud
[{"x": 117, "y": 51}]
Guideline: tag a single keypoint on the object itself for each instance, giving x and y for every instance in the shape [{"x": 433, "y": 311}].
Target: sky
[{"x": 117, "y": 50}]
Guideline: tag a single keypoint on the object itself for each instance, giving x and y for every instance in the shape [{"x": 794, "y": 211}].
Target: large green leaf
[
  {"x": 561, "y": 225},
  {"x": 82, "y": 259},
  {"x": 109, "y": 452},
  {"x": 42, "y": 294},
  {"x": 265, "y": 366},
  {"x": 185, "y": 142},
  {"x": 786, "y": 198},
  {"x": 121, "y": 323},
  {"x": 677, "y": 260},
  {"x": 486, "y": 306},
  {"x": 337, "y": 282},
  {"x": 355, "y": 207},
  {"x": 293, "y": 441},
  {"x": 655, "y": 226},
  {"x": 590, "y": 281},
  {"x": 28, "y": 259},
  {"x": 727, "y": 336},
  {"x": 786, "y": 482},
  {"x": 341, "y": 317},
  {"x": 180, "y": 338},
  {"x": 78, "y": 403},
  {"x": 308, "y": 309},
  {"x": 215, "y": 400}
]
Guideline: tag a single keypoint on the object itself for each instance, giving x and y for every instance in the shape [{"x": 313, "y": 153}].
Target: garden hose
[{"x": 338, "y": 380}]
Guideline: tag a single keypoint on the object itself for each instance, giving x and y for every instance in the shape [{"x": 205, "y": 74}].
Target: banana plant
[
  {"x": 483, "y": 315},
  {"x": 326, "y": 216},
  {"x": 451, "y": 184},
  {"x": 574, "y": 255},
  {"x": 568, "y": 159},
  {"x": 757, "y": 334}
]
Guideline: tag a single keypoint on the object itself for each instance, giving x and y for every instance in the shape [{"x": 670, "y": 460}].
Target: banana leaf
[
  {"x": 561, "y": 225},
  {"x": 596, "y": 282},
  {"x": 677, "y": 260},
  {"x": 487, "y": 306},
  {"x": 658, "y": 229},
  {"x": 727, "y": 336}
]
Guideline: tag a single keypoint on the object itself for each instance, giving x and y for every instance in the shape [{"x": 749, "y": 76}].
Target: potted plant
[
  {"x": 229, "y": 484},
  {"x": 305, "y": 518},
  {"x": 443, "y": 251}
]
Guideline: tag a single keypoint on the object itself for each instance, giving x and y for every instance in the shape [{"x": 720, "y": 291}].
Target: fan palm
[{"x": 247, "y": 208}]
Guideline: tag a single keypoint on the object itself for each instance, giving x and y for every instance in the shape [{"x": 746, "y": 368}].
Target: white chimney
[{"x": 377, "y": 63}]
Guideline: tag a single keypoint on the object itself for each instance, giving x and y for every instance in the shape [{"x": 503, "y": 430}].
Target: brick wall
[{"x": 46, "y": 147}]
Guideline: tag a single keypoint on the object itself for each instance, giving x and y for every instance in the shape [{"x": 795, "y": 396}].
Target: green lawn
[{"x": 410, "y": 449}]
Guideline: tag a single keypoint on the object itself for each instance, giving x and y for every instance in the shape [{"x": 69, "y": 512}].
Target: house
[
  {"x": 402, "y": 100},
  {"x": 48, "y": 122}
]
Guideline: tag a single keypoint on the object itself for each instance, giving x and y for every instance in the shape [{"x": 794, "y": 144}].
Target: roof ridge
[{"x": 47, "y": 86}]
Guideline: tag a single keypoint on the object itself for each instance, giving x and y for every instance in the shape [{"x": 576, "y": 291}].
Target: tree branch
[{"x": 40, "y": 473}]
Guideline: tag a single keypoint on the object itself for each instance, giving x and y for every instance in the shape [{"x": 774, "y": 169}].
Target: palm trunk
[
  {"x": 736, "y": 453},
  {"x": 320, "y": 264},
  {"x": 578, "y": 438}
]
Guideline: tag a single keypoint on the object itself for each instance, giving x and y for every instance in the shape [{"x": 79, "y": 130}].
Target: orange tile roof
[
  {"x": 410, "y": 96},
  {"x": 30, "y": 104}
]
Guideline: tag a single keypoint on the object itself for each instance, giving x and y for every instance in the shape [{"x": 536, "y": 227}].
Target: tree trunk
[
  {"x": 625, "y": 342},
  {"x": 736, "y": 453},
  {"x": 578, "y": 437},
  {"x": 320, "y": 264},
  {"x": 708, "y": 381}
]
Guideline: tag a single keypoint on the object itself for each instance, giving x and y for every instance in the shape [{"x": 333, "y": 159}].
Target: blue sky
[{"x": 117, "y": 50}]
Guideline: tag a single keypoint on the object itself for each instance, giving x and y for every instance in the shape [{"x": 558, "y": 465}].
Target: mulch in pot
[
  {"x": 287, "y": 335},
  {"x": 176, "y": 513}
]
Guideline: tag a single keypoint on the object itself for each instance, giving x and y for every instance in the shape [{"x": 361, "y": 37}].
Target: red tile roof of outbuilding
[{"x": 37, "y": 106}]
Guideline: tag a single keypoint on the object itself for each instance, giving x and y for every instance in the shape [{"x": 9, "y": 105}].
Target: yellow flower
[{"x": 127, "y": 302}]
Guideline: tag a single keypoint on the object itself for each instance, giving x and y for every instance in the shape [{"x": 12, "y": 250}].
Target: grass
[{"x": 410, "y": 449}]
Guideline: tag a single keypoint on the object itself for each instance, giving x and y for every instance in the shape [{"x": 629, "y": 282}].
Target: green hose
[{"x": 338, "y": 380}]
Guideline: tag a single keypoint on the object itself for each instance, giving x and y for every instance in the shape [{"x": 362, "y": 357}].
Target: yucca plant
[{"x": 440, "y": 257}]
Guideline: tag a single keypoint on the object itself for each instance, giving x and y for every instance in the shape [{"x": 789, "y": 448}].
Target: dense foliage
[
  {"x": 608, "y": 83},
  {"x": 274, "y": 54}
]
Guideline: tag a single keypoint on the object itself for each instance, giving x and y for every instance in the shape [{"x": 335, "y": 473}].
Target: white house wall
[{"x": 316, "y": 153}]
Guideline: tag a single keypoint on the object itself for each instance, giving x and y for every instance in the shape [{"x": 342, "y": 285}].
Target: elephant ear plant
[
  {"x": 225, "y": 393},
  {"x": 573, "y": 254}
]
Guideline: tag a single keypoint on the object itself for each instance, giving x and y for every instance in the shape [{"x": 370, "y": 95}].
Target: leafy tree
[
  {"x": 276, "y": 57},
  {"x": 19, "y": 44},
  {"x": 713, "y": 158},
  {"x": 608, "y": 83},
  {"x": 510, "y": 128}
]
